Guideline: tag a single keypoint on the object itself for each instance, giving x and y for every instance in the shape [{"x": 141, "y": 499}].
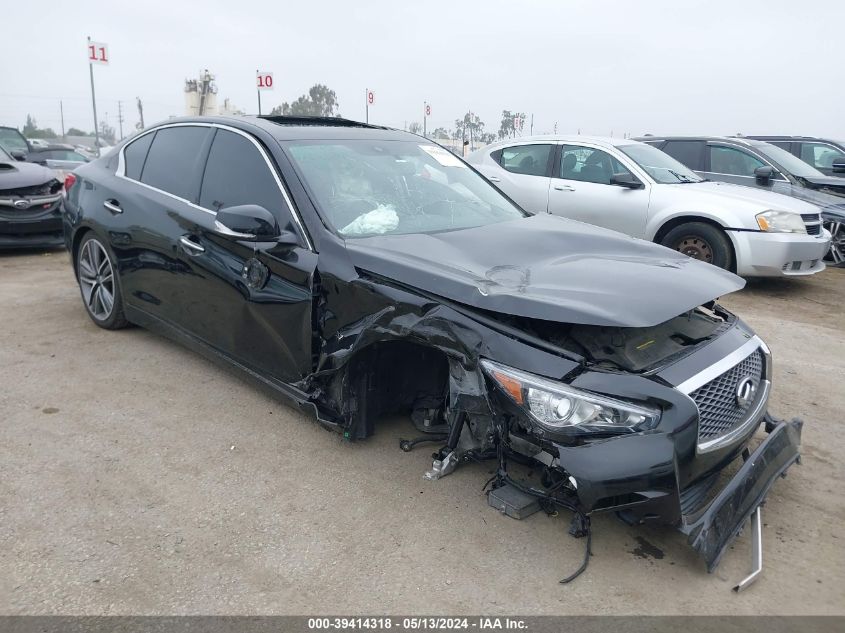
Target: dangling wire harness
[{"x": 580, "y": 526}]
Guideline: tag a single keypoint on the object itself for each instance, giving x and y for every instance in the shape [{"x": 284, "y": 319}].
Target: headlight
[
  {"x": 780, "y": 222},
  {"x": 557, "y": 406}
]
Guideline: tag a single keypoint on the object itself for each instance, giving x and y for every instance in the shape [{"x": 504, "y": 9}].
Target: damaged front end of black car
[
  {"x": 393, "y": 278},
  {"x": 573, "y": 365}
]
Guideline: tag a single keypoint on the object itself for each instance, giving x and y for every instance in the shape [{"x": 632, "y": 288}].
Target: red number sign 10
[
  {"x": 264, "y": 80},
  {"x": 98, "y": 53}
]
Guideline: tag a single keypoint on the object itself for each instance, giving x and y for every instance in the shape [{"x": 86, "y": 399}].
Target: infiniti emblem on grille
[
  {"x": 21, "y": 204},
  {"x": 746, "y": 389}
]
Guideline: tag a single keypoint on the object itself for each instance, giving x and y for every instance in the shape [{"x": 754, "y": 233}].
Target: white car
[{"x": 635, "y": 188}]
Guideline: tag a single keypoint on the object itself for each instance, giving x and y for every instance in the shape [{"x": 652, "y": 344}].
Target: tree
[
  {"x": 507, "y": 129},
  {"x": 470, "y": 128},
  {"x": 441, "y": 133},
  {"x": 320, "y": 101},
  {"x": 30, "y": 127},
  {"x": 31, "y": 130},
  {"x": 75, "y": 131},
  {"x": 415, "y": 128}
]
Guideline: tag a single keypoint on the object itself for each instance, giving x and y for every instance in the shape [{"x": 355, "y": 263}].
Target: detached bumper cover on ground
[{"x": 715, "y": 529}]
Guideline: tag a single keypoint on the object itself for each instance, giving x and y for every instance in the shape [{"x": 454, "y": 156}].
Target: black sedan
[{"x": 360, "y": 271}]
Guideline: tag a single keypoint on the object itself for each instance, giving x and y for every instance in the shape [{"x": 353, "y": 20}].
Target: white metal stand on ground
[{"x": 756, "y": 551}]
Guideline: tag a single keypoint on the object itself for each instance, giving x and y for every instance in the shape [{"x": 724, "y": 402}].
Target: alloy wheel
[
  {"x": 695, "y": 247},
  {"x": 836, "y": 254},
  {"x": 96, "y": 279}
]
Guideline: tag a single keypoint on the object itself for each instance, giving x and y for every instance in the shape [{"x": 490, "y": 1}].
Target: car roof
[
  {"x": 50, "y": 146},
  {"x": 607, "y": 141},
  {"x": 736, "y": 140},
  {"x": 288, "y": 128}
]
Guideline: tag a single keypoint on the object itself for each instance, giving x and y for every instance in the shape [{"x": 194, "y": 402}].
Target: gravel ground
[{"x": 137, "y": 478}]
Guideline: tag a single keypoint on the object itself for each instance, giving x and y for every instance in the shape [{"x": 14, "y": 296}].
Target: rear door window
[
  {"x": 236, "y": 173},
  {"x": 690, "y": 153},
  {"x": 529, "y": 160},
  {"x": 174, "y": 161}
]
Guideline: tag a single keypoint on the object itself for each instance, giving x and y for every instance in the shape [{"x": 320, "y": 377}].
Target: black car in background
[
  {"x": 826, "y": 155},
  {"x": 756, "y": 163},
  {"x": 360, "y": 271},
  {"x": 30, "y": 205}
]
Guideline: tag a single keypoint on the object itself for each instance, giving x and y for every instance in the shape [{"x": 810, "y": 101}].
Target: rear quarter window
[{"x": 135, "y": 154}]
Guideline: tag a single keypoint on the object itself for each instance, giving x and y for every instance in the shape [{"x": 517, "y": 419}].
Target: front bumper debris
[{"x": 715, "y": 528}]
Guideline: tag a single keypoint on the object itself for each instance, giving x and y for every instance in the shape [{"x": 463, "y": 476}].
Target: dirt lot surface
[{"x": 135, "y": 477}]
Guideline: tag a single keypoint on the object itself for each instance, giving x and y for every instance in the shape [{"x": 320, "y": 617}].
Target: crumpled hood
[
  {"x": 756, "y": 199},
  {"x": 550, "y": 268},
  {"x": 830, "y": 184},
  {"x": 17, "y": 174}
]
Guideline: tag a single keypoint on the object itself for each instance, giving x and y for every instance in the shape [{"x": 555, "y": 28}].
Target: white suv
[{"x": 637, "y": 189}]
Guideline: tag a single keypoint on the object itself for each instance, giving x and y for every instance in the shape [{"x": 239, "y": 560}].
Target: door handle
[
  {"x": 564, "y": 188},
  {"x": 494, "y": 179},
  {"x": 192, "y": 247},
  {"x": 112, "y": 206}
]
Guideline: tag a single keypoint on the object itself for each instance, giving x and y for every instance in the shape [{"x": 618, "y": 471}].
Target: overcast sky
[{"x": 694, "y": 66}]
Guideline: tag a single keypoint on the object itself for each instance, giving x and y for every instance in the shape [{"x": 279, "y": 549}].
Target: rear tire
[
  {"x": 701, "y": 241},
  {"x": 99, "y": 285}
]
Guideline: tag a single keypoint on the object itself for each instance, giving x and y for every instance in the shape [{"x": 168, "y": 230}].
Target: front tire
[
  {"x": 701, "y": 241},
  {"x": 98, "y": 283},
  {"x": 836, "y": 255}
]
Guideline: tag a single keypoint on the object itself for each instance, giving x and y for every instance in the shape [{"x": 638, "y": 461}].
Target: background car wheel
[
  {"x": 701, "y": 241},
  {"x": 836, "y": 255},
  {"x": 99, "y": 285}
]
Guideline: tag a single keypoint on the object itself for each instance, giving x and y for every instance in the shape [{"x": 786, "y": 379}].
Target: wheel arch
[
  {"x": 388, "y": 376},
  {"x": 80, "y": 233}
]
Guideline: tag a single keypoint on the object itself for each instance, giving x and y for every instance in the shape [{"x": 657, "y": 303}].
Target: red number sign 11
[
  {"x": 98, "y": 53},
  {"x": 264, "y": 80}
]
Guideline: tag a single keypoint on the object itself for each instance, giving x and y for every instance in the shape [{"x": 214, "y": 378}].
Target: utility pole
[
  {"x": 258, "y": 90},
  {"x": 140, "y": 111},
  {"x": 425, "y": 119},
  {"x": 62, "y": 114},
  {"x": 531, "y": 131},
  {"x": 94, "y": 104},
  {"x": 120, "y": 118},
  {"x": 366, "y": 105}
]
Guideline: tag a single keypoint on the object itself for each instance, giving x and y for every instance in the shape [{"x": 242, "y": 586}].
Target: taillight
[{"x": 70, "y": 179}]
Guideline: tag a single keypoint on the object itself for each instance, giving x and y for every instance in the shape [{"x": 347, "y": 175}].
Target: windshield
[
  {"x": 659, "y": 165},
  {"x": 792, "y": 164},
  {"x": 11, "y": 140},
  {"x": 4, "y": 155},
  {"x": 374, "y": 187}
]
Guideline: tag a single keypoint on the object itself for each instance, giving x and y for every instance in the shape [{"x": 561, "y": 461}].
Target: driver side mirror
[
  {"x": 624, "y": 179},
  {"x": 763, "y": 175},
  {"x": 838, "y": 166},
  {"x": 251, "y": 222},
  {"x": 18, "y": 154}
]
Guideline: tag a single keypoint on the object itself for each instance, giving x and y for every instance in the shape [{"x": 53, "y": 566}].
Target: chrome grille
[{"x": 718, "y": 410}]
